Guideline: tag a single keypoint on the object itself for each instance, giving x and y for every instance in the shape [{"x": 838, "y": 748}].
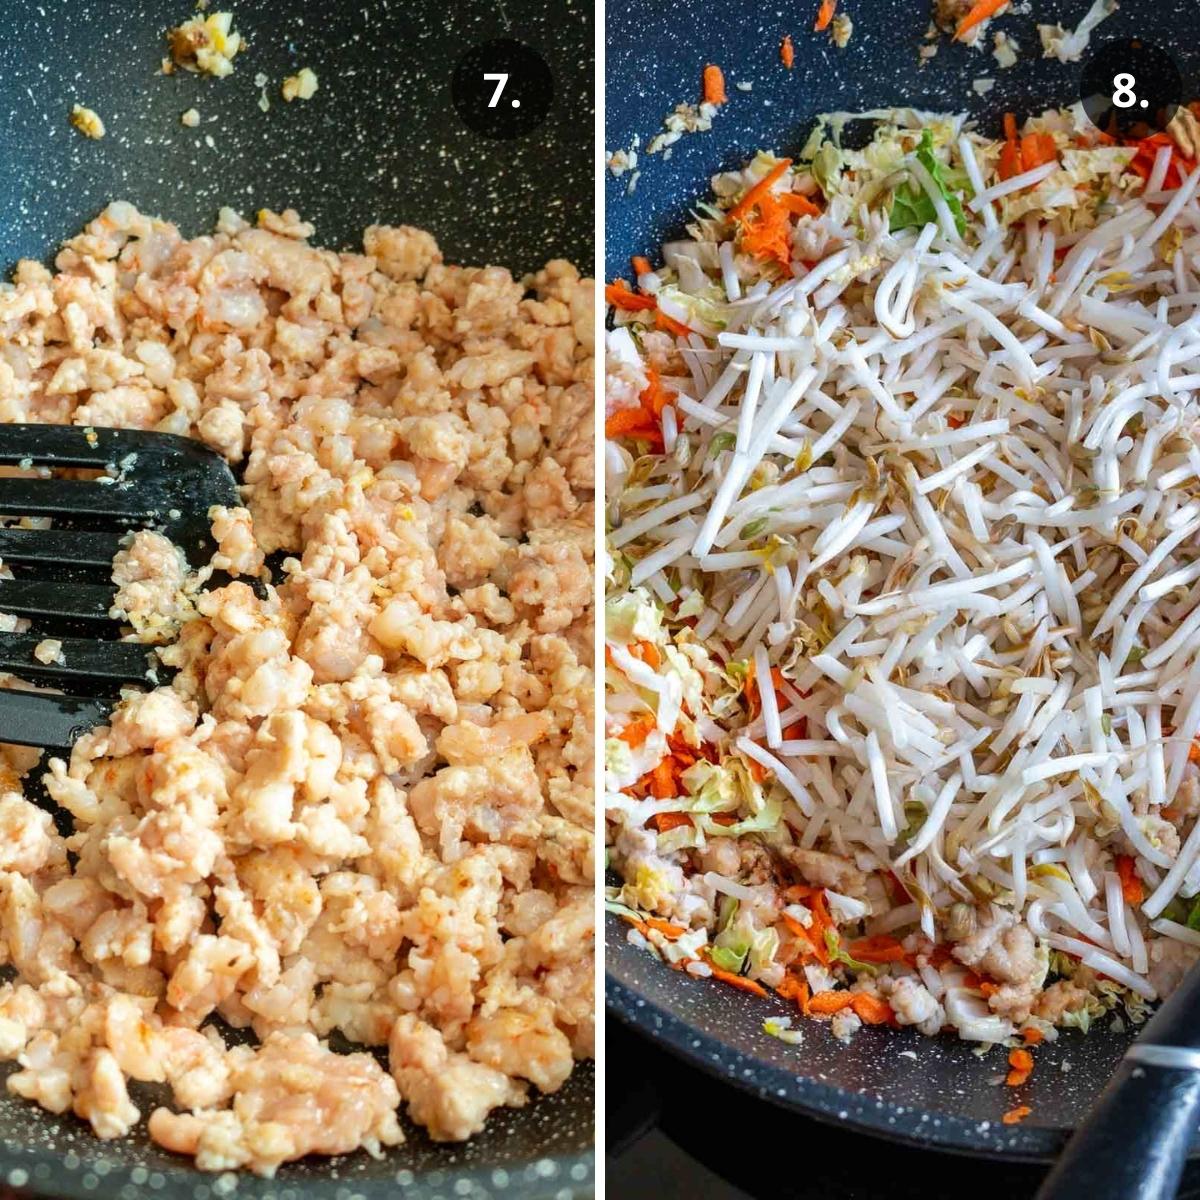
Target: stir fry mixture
[
  {"x": 361, "y": 811},
  {"x": 903, "y": 627}
]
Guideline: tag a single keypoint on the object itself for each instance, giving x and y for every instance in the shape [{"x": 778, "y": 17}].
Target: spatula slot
[{"x": 100, "y": 666}]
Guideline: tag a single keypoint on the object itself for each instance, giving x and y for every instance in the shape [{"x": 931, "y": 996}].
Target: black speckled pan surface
[
  {"x": 930, "y": 1092},
  {"x": 380, "y": 142}
]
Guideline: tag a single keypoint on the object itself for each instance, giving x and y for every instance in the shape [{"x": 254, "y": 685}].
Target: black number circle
[
  {"x": 1130, "y": 88},
  {"x": 502, "y": 108}
]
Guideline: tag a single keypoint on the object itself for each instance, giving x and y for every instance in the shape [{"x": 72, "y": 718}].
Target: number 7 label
[{"x": 502, "y": 80}]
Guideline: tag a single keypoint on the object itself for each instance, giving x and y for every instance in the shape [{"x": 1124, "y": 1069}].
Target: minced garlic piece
[
  {"x": 206, "y": 44},
  {"x": 1005, "y": 50},
  {"x": 301, "y": 86},
  {"x": 191, "y": 118},
  {"x": 87, "y": 122},
  {"x": 49, "y": 651}
]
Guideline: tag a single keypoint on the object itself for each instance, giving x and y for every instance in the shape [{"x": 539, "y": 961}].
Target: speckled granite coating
[
  {"x": 378, "y": 142},
  {"x": 537, "y": 1152},
  {"x": 899, "y": 1085}
]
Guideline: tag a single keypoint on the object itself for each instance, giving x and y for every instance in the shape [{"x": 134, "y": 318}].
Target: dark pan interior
[
  {"x": 380, "y": 142},
  {"x": 656, "y": 51},
  {"x": 944, "y": 1096}
]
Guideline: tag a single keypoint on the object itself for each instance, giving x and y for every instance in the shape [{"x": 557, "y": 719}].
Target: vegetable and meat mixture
[
  {"x": 362, "y": 809},
  {"x": 903, "y": 665}
]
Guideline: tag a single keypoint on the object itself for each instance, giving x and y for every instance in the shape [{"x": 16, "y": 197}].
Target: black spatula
[{"x": 62, "y": 574}]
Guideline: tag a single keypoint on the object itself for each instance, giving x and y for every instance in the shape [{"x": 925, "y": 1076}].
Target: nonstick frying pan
[
  {"x": 932, "y": 1092},
  {"x": 380, "y": 142}
]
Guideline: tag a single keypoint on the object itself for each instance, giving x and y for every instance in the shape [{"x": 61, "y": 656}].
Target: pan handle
[{"x": 1135, "y": 1141}]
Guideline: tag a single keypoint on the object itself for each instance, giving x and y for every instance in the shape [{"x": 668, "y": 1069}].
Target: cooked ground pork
[
  {"x": 1004, "y": 949},
  {"x": 364, "y": 803}
]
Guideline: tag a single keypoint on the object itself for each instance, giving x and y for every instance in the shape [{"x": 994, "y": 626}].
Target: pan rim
[
  {"x": 47, "y": 1174},
  {"x": 825, "y": 1102}
]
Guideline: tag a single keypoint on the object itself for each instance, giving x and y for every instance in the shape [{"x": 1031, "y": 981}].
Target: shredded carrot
[
  {"x": 878, "y": 949},
  {"x": 824, "y": 15},
  {"x": 724, "y": 818},
  {"x": 652, "y": 396},
  {"x": 1131, "y": 885},
  {"x": 1025, "y": 152},
  {"x": 760, "y": 189},
  {"x": 662, "y": 780},
  {"x": 619, "y": 296},
  {"x": 714, "y": 85},
  {"x": 757, "y": 771},
  {"x": 1015, "y": 1116},
  {"x": 825, "y": 1003},
  {"x": 821, "y": 922},
  {"x": 1033, "y": 1036},
  {"x": 1021, "y": 1062},
  {"x": 631, "y": 422},
  {"x": 637, "y": 731},
  {"x": 1036, "y": 150},
  {"x": 1147, "y": 151},
  {"x": 665, "y": 822},
  {"x": 648, "y": 653},
  {"x": 820, "y": 906},
  {"x": 794, "y": 988},
  {"x": 787, "y": 52},
  {"x": 796, "y": 927},
  {"x": 1194, "y": 752},
  {"x": 665, "y": 927},
  {"x": 1010, "y": 160},
  {"x": 738, "y": 981},
  {"x": 765, "y": 219},
  {"x": 682, "y": 750},
  {"x": 988, "y": 988},
  {"x": 670, "y": 325},
  {"x": 977, "y": 15},
  {"x": 814, "y": 936},
  {"x": 767, "y": 233},
  {"x": 641, "y": 266},
  {"x": 798, "y": 205},
  {"x": 871, "y": 1010},
  {"x": 642, "y": 422}
]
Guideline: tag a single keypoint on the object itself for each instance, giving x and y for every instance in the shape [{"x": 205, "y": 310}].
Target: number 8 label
[
  {"x": 1123, "y": 96},
  {"x": 1130, "y": 88}
]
